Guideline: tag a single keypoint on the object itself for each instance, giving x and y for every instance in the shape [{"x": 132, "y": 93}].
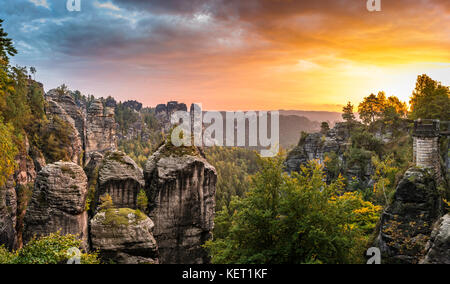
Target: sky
[{"x": 233, "y": 54}]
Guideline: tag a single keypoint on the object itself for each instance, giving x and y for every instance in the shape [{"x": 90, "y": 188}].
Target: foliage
[
  {"x": 106, "y": 202},
  {"x": 379, "y": 107},
  {"x": 324, "y": 127},
  {"x": 347, "y": 113},
  {"x": 51, "y": 249},
  {"x": 430, "y": 100},
  {"x": 8, "y": 151},
  {"x": 142, "y": 200},
  {"x": 6, "y": 45},
  {"x": 292, "y": 219},
  {"x": 384, "y": 177},
  {"x": 233, "y": 165}
]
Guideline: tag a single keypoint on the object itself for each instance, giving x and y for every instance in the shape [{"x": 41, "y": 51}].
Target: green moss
[{"x": 119, "y": 217}]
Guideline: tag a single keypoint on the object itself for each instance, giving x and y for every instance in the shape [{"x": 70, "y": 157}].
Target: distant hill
[{"x": 318, "y": 116}]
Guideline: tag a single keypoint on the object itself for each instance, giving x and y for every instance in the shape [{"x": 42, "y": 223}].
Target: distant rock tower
[{"x": 426, "y": 144}]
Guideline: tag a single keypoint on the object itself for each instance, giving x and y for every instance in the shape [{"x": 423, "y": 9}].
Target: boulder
[
  {"x": 58, "y": 202},
  {"x": 124, "y": 236},
  {"x": 180, "y": 186}
]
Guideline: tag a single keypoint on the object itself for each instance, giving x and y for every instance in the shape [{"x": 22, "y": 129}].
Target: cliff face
[
  {"x": 13, "y": 199},
  {"x": 58, "y": 202},
  {"x": 438, "y": 248},
  {"x": 100, "y": 130},
  {"x": 121, "y": 178},
  {"x": 163, "y": 113},
  {"x": 181, "y": 189},
  {"x": 406, "y": 225},
  {"x": 75, "y": 149}
]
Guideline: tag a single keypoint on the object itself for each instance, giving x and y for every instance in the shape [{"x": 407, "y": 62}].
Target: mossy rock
[{"x": 122, "y": 217}]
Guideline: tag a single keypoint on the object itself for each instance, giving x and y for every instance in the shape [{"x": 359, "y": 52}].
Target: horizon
[{"x": 231, "y": 55}]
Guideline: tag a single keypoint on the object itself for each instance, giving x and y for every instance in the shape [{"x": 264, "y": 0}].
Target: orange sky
[{"x": 259, "y": 54}]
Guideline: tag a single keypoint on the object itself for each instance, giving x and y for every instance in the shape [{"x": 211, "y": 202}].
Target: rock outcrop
[
  {"x": 181, "y": 185},
  {"x": 406, "y": 224},
  {"x": 100, "y": 130},
  {"x": 164, "y": 112},
  {"x": 69, "y": 105},
  {"x": 13, "y": 199},
  {"x": 438, "y": 248},
  {"x": 8, "y": 235},
  {"x": 121, "y": 178},
  {"x": 124, "y": 236},
  {"x": 58, "y": 202},
  {"x": 55, "y": 112},
  {"x": 314, "y": 147}
]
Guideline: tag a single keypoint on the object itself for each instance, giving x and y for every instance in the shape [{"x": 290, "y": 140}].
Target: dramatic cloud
[{"x": 233, "y": 54}]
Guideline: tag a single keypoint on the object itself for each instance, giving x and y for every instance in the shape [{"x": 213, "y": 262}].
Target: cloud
[
  {"x": 213, "y": 46},
  {"x": 106, "y": 5},
  {"x": 42, "y": 3}
]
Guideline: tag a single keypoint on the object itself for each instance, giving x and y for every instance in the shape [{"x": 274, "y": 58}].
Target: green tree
[
  {"x": 6, "y": 46},
  {"x": 142, "y": 200},
  {"x": 290, "y": 219},
  {"x": 106, "y": 202},
  {"x": 347, "y": 113},
  {"x": 372, "y": 107},
  {"x": 324, "y": 127},
  {"x": 430, "y": 100}
]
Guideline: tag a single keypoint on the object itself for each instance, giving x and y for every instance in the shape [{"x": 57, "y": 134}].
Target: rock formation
[
  {"x": 124, "y": 236},
  {"x": 58, "y": 202},
  {"x": 55, "y": 111},
  {"x": 100, "y": 130},
  {"x": 181, "y": 185},
  {"x": 8, "y": 236},
  {"x": 67, "y": 102},
  {"x": 13, "y": 199},
  {"x": 406, "y": 224},
  {"x": 438, "y": 248},
  {"x": 163, "y": 113},
  {"x": 121, "y": 178}
]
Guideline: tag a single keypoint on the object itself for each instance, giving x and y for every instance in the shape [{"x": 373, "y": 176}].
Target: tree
[
  {"x": 384, "y": 177},
  {"x": 106, "y": 202},
  {"x": 8, "y": 151},
  {"x": 372, "y": 107},
  {"x": 430, "y": 100},
  {"x": 324, "y": 127},
  {"x": 6, "y": 46},
  {"x": 347, "y": 114},
  {"x": 33, "y": 71},
  {"x": 142, "y": 201},
  {"x": 292, "y": 219}
]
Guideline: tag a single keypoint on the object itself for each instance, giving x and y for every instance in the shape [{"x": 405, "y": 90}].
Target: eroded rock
[
  {"x": 406, "y": 225},
  {"x": 124, "y": 236},
  {"x": 121, "y": 178},
  {"x": 181, "y": 186},
  {"x": 58, "y": 202}
]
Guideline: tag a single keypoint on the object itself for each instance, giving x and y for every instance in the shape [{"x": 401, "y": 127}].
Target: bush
[{"x": 52, "y": 249}]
